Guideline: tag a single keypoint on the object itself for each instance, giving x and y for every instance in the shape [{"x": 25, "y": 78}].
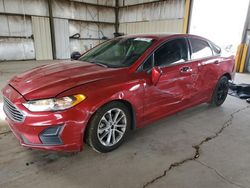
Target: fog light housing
[{"x": 51, "y": 136}]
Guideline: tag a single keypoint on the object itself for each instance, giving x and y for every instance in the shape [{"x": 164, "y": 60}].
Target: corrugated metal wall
[
  {"x": 28, "y": 7},
  {"x": 86, "y": 12},
  {"x": 93, "y": 19},
  {"x": 98, "y": 2},
  {"x": 61, "y": 27},
  {"x": 135, "y": 2},
  {"x": 15, "y": 41},
  {"x": 157, "y": 17},
  {"x": 15, "y": 26},
  {"x": 84, "y": 45},
  {"x": 16, "y": 49},
  {"x": 159, "y": 26},
  {"x": 42, "y": 37}
]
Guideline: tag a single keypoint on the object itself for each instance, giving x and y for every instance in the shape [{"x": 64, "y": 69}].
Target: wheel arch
[
  {"x": 126, "y": 103},
  {"x": 228, "y": 76},
  {"x": 132, "y": 112}
]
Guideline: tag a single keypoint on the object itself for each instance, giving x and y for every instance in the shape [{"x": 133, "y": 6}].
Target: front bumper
[
  {"x": 71, "y": 137},
  {"x": 60, "y": 131}
]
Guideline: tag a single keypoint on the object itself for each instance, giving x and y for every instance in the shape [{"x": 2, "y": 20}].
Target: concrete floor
[{"x": 200, "y": 147}]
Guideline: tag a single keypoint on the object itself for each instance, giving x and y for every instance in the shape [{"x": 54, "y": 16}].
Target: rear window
[{"x": 200, "y": 49}]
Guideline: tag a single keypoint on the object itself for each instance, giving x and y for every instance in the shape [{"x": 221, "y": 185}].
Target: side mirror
[
  {"x": 75, "y": 55},
  {"x": 156, "y": 73}
]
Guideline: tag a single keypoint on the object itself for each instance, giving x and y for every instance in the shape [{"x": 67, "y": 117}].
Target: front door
[{"x": 175, "y": 88}]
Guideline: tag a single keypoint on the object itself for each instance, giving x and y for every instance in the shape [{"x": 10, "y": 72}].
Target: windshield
[{"x": 120, "y": 52}]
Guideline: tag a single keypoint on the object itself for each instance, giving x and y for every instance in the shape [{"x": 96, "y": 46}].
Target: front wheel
[
  {"x": 109, "y": 127},
  {"x": 220, "y": 92}
]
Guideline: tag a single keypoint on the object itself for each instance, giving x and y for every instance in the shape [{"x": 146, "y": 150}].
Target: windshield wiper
[{"x": 100, "y": 64}]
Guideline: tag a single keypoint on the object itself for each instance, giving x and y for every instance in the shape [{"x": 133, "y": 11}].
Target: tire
[
  {"x": 220, "y": 92},
  {"x": 105, "y": 134}
]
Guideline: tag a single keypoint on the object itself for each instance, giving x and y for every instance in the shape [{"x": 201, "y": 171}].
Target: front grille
[{"x": 12, "y": 112}]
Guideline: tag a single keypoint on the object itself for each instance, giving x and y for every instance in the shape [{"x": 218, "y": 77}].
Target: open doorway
[{"x": 220, "y": 21}]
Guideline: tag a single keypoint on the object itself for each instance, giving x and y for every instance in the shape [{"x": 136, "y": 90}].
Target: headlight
[{"x": 54, "y": 104}]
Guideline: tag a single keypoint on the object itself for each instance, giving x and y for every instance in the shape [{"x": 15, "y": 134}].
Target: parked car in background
[{"x": 118, "y": 86}]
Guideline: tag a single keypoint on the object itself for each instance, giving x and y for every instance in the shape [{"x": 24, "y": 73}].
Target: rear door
[
  {"x": 175, "y": 89},
  {"x": 208, "y": 66}
]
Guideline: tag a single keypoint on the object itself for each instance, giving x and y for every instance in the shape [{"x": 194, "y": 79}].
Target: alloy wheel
[
  {"x": 112, "y": 127},
  {"x": 222, "y": 91}
]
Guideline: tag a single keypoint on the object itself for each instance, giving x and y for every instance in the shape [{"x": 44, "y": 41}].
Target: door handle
[
  {"x": 216, "y": 62},
  {"x": 186, "y": 69}
]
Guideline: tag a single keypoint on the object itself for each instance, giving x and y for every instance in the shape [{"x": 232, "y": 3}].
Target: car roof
[{"x": 159, "y": 36}]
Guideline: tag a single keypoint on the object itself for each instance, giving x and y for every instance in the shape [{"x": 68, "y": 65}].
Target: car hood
[{"x": 50, "y": 80}]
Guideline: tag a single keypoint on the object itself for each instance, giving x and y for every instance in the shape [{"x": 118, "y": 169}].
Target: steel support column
[{"x": 52, "y": 29}]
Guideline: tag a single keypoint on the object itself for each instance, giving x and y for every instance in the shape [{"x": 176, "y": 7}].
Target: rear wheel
[
  {"x": 109, "y": 127},
  {"x": 220, "y": 92}
]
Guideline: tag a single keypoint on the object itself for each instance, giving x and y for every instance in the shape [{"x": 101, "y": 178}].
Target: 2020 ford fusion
[{"x": 120, "y": 85}]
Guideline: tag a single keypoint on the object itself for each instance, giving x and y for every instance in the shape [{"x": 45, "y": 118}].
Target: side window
[
  {"x": 174, "y": 51},
  {"x": 148, "y": 64},
  {"x": 200, "y": 49},
  {"x": 216, "y": 49}
]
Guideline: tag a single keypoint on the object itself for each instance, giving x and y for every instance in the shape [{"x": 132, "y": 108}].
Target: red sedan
[{"x": 118, "y": 86}]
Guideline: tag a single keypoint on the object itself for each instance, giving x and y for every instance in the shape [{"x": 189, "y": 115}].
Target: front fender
[{"x": 98, "y": 94}]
